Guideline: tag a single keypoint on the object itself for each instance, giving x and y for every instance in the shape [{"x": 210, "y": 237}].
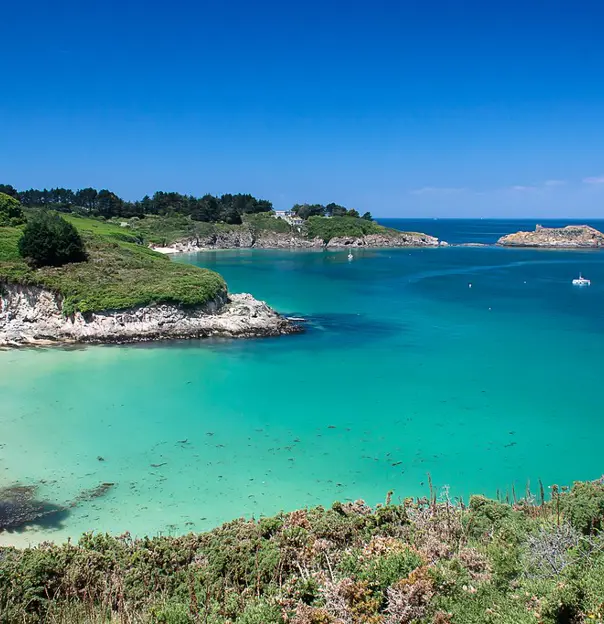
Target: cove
[{"x": 404, "y": 371}]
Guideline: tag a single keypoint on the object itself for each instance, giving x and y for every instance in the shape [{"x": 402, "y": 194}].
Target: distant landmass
[{"x": 571, "y": 236}]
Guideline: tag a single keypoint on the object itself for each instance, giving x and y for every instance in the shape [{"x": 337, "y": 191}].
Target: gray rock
[
  {"x": 571, "y": 236},
  {"x": 32, "y": 315},
  {"x": 274, "y": 240}
]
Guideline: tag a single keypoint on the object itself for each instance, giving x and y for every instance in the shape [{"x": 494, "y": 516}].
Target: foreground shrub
[
  {"x": 499, "y": 564},
  {"x": 10, "y": 211},
  {"x": 49, "y": 240}
]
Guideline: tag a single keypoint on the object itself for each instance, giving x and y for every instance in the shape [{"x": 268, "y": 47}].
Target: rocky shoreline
[
  {"x": 30, "y": 315},
  {"x": 268, "y": 240},
  {"x": 569, "y": 237}
]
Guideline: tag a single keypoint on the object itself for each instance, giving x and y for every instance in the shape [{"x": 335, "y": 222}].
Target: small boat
[
  {"x": 350, "y": 256},
  {"x": 581, "y": 281}
]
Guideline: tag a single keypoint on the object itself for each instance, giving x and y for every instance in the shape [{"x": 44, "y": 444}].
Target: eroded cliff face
[
  {"x": 570, "y": 236},
  {"x": 32, "y": 315}
]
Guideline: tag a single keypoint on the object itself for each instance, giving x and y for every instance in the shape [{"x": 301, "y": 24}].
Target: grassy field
[
  {"x": 416, "y": 562},
  {"x": 120, "y": 272}
]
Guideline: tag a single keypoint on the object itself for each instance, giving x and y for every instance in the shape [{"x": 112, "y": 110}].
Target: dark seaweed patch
[{"x": 19, "y": 508}]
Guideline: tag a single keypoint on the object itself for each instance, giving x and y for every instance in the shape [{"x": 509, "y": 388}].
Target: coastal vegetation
[
  {"x": 536, "y": 559},
  {"x": 104, "y": 203},
  {"x": 304, "y": 211},
  {"x": 328, "y": 228},
  {"x": 241, "y": 220},
  {"x": 166, "y": 230},
  {"x": 119, "y": 272},
  {"x": 227, "y": 208}
]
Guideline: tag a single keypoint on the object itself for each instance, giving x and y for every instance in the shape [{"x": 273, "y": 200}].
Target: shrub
[
  {"x": 260, "y": 613},
  {"x": 584, "y": 506},
  {"x": 485, "y": 515},
  {"x": 383, "y": 562},
  {"x": 548, "y": 550},
  {"x": 49, "y": 240},
  {"x": 10, "y": 211}
]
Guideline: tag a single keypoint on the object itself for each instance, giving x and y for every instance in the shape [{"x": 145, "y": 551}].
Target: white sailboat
[{"x": 581, "y": 281}]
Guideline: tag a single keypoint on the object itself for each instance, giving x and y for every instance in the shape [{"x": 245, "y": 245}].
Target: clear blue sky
[{"x": 408, "y": 108}]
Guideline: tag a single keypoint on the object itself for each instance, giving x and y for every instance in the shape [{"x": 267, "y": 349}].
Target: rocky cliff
[
  {"x": 571, "y": 236},
  {"x": 32, "y": 315},
  {"x": 273, "y": 240}
]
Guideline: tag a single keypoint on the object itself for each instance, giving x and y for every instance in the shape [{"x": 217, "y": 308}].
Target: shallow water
[{"x": 405, "y": 370}]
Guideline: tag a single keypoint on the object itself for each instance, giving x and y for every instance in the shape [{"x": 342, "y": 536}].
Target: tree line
[
  {"x": 104, "y": 203},
  {"x": 330, "y": 210}
]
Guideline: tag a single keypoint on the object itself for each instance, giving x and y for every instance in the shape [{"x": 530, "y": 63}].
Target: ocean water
[{"x": 405, "y": 371}]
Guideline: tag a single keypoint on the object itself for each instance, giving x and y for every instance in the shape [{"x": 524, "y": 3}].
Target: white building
[{"x": 289, "y": 216}]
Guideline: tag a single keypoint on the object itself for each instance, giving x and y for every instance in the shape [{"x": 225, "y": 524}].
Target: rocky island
[
  {"x": 571, "y": 236},
  {"x": 116, "y": 290}
]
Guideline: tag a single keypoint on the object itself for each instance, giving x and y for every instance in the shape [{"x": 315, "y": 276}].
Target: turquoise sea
[{"x": 405, "y": 370}]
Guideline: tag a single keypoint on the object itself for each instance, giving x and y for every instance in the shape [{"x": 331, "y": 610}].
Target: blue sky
[{"x": 409, "y": 108}]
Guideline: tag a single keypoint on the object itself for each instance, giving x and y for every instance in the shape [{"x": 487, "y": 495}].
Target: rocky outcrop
[
  {"x": 404, "y": 239},
  {"x": 274, "y": 240},
  {"x": 571, "y": 236},
  {"x": 32, "y": 315}
]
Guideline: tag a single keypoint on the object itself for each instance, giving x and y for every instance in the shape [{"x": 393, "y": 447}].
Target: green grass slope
[{"x": 120, "y": 272}]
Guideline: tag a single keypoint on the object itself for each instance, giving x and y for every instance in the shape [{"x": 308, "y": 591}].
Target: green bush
[
  {"x": 170, "y": 614},
  {"x": 260, "y": 613},
  {"x": 10, "y": 211},
  {"x": 49, "y": 240},
  {"x": 486, "y": 515},
  {"x": 380, "y": 571},
  {"x": 584, "y": 506}
]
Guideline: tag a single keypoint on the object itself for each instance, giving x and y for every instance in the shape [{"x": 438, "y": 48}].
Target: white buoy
[{"x": 469, "y": 285}]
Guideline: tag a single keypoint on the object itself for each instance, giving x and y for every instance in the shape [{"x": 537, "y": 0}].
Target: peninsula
[
  {"x": 175, "y": 222},
  {"x": 115, "y": 290},
  {"x": 571, "y": 236},
  {"x": 269, "y": 232}
]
